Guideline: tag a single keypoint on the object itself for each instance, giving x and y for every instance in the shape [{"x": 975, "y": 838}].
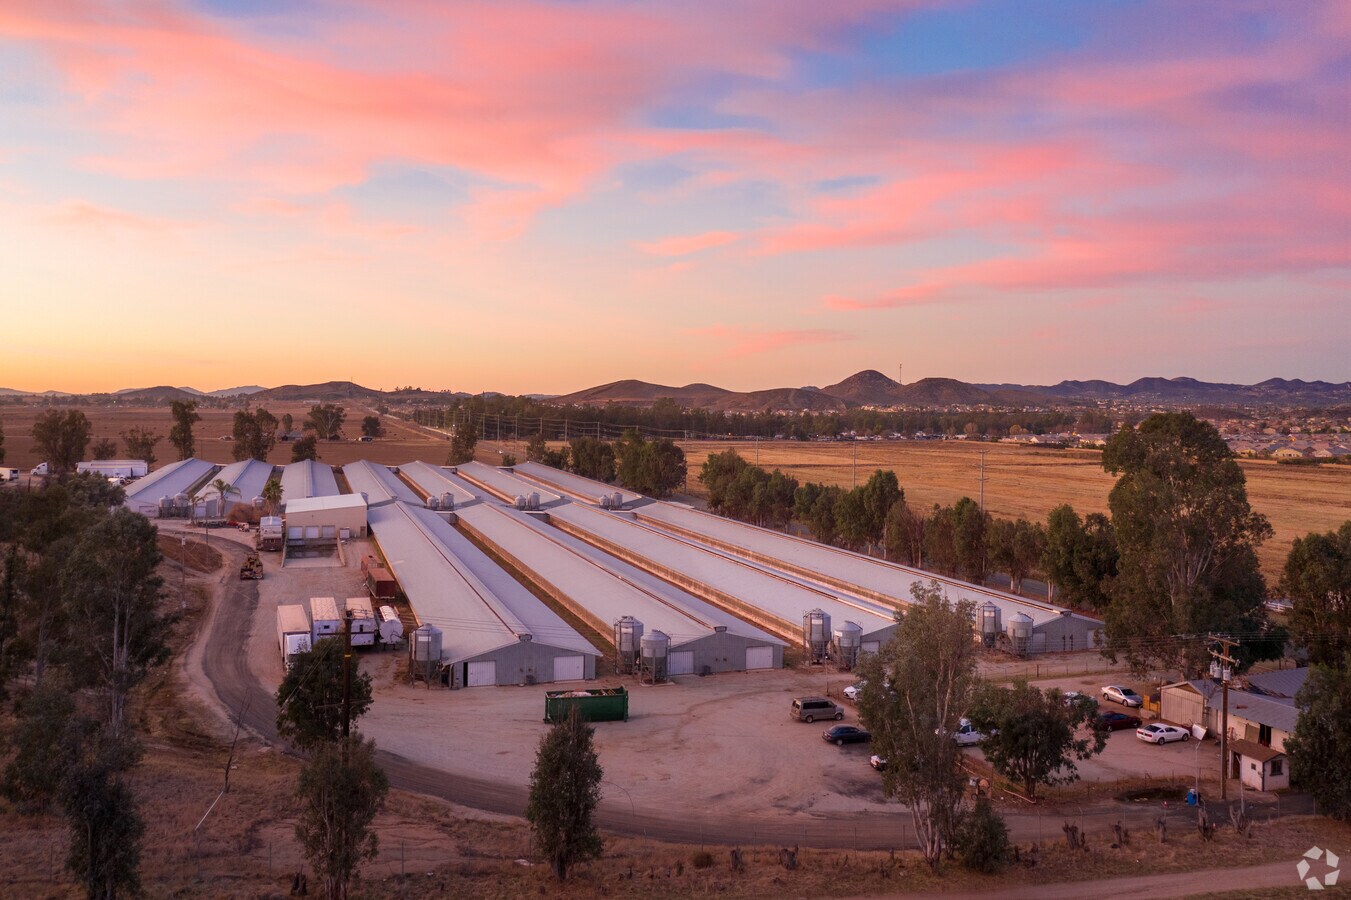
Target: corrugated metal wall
[{"x": 1182, "y": 706}]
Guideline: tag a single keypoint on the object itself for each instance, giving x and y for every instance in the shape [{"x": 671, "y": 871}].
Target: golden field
[{"x": 1030, "y": 482}]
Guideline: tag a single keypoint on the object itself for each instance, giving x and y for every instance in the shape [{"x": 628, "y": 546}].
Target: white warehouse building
[{"x": 493, "y": 630}]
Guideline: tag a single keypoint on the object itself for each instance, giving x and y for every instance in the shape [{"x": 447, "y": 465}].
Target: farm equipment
[{"x": 252, "y": 570}]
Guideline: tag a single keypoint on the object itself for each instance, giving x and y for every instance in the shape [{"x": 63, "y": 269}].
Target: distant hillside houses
[{"x": 1289, "y": 447}]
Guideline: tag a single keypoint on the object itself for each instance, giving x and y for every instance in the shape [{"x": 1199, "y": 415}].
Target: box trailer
[
  {"x": 327, "y": 621},
  {"x": 593, "y": 705},
  {"x": 114, "y": 468},
  {"x": 380, "y": 584},
  {"x": 364, "y": 623},
  {"x": 9, "y": 475},
  {"x": 271, "y": 533},
  {"x": 293, "y": 632}
]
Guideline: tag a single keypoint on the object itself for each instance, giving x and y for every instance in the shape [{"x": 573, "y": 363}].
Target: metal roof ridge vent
[
  {"x": 719, "y": 628},
  {"x": 525, "y": 637}
]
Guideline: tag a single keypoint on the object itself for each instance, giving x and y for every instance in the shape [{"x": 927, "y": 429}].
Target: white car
[
  {"x": 966, "y": 734},
  {"x": 1158, "y": 733},
  {"x": 854, "y": 691},
  {"x": 1123, "y": 695}
]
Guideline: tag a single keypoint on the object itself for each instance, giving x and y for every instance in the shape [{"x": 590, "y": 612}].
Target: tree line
[
  {"x": 514, "y": 416},
  {"x": 652, "y": 467},
  {"x": 62, "y": 437}
]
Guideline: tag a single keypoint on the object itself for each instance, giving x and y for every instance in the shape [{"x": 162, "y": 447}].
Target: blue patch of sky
[
  {"x": 977, "y": 36},
  {"x": 650, "y": 176},
  {"x": 845, "y": 184},
  {"x": 402, "y": 190}
]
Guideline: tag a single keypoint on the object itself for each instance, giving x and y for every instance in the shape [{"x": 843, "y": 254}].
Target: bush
[
  {"x": 702, "y": 860},
  {"x": 982, "y": 841}
]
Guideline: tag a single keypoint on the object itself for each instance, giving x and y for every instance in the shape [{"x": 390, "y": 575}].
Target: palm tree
[
  {"x": 272, "y": 495},
  {"x": 223, "y": 490}
]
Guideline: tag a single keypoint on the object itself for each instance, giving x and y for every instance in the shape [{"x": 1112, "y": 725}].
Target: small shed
[
  {"x": 325, "y": 519},
  {"x": 1260, "y": 768}
]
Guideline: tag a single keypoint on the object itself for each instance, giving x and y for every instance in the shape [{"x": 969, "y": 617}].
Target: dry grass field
[{"x": 1030, "y": 482}]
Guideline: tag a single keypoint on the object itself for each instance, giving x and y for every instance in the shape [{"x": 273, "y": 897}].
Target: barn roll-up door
[
  {"x": 870, "y": 646},
  {"x": 759, "y": 658},
  {"x": 311, "y": 532},
  {"x": 479, "y": 674},
  {"x": 569, "y": 668},
  {"x": 295, "y": 533},
  {"x": 329, "y": 532},
  {"x": 680, "y": 663}
]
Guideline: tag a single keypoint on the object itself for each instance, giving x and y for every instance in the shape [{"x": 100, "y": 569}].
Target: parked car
[
  {"x": 878, "y": 763},
  {"x": 1158, "y": 733},
  {"x": 839, "y": 735},
  {"x": 854, "y": 691},
  {"x": 1116, "y": 721},
  {"x": 809, "y": 709},
  {"x": 1123, "y": 695},
  {"x": 966, "y": 734}
]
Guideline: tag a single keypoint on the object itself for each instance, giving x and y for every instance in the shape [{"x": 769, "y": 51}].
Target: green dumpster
[{"x": 595, "y": 705}]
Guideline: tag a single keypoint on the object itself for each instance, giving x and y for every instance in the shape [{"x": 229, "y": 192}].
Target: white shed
[{"x": 326, "y": 518}]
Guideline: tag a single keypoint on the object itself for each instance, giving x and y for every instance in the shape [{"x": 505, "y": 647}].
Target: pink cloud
[
  {"x": 918, "y": 295},
  {"x": 80, "y": 215},
  {"x": 742, "y": 342},
  {"x": 684, "y": 245}
]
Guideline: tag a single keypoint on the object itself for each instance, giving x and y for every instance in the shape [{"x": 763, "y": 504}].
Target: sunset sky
[{"x": 539, "y": 197}]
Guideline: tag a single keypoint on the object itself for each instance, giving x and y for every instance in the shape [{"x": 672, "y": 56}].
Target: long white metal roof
[
  {"x": 843, "y": 567},
  {"x": 783, "y": 598},
  {"x": 502, "y": 484},
  {"x": 451, "y": 584},
  {"x": 597, "y": 587},
  {"x": 315, "y": 504},
  {"x": 248, "y": 477},
  {"x": 436, "y": 481},
  {"x": 175, "y": 478},
  {"x": 574, "y": 486},
  {"x": 378, "y": 483},
  {"x": 307, "y": 478}
]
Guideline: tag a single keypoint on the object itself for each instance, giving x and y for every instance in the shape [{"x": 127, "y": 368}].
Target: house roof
[
  {"x": 1281, "y": 683},
  {"x": 1276, "y": 712},
  {"x": 1254, "y": 750}
]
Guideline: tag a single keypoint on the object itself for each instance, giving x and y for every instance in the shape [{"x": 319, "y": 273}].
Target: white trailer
[
  {"x": 391, "y": 626},
  {"x": 271, "y": 533},
  {"x": 364, "y": 623},
  {"x": 327, "y": 622},
  {"x": 293, "y": 632},
  {"x": 7, "y": 475},
  {"x": 114, "y": 468}
]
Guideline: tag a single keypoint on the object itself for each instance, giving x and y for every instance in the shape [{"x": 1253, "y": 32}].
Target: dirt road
[{"x": 1175, "y": 884}]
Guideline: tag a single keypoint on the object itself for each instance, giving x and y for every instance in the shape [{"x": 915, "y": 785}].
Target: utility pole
[
  {"x": 854, "y": 484},
  {"x": 1222, "y": 664},
  {"x": 346, "y": 681},
  {"x": 983, "y": 451}
]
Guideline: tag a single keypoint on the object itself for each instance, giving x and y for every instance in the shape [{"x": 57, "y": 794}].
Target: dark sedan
[
  {"x": 846, "y": 734},
  {"x": 1115, "y": 721}
]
